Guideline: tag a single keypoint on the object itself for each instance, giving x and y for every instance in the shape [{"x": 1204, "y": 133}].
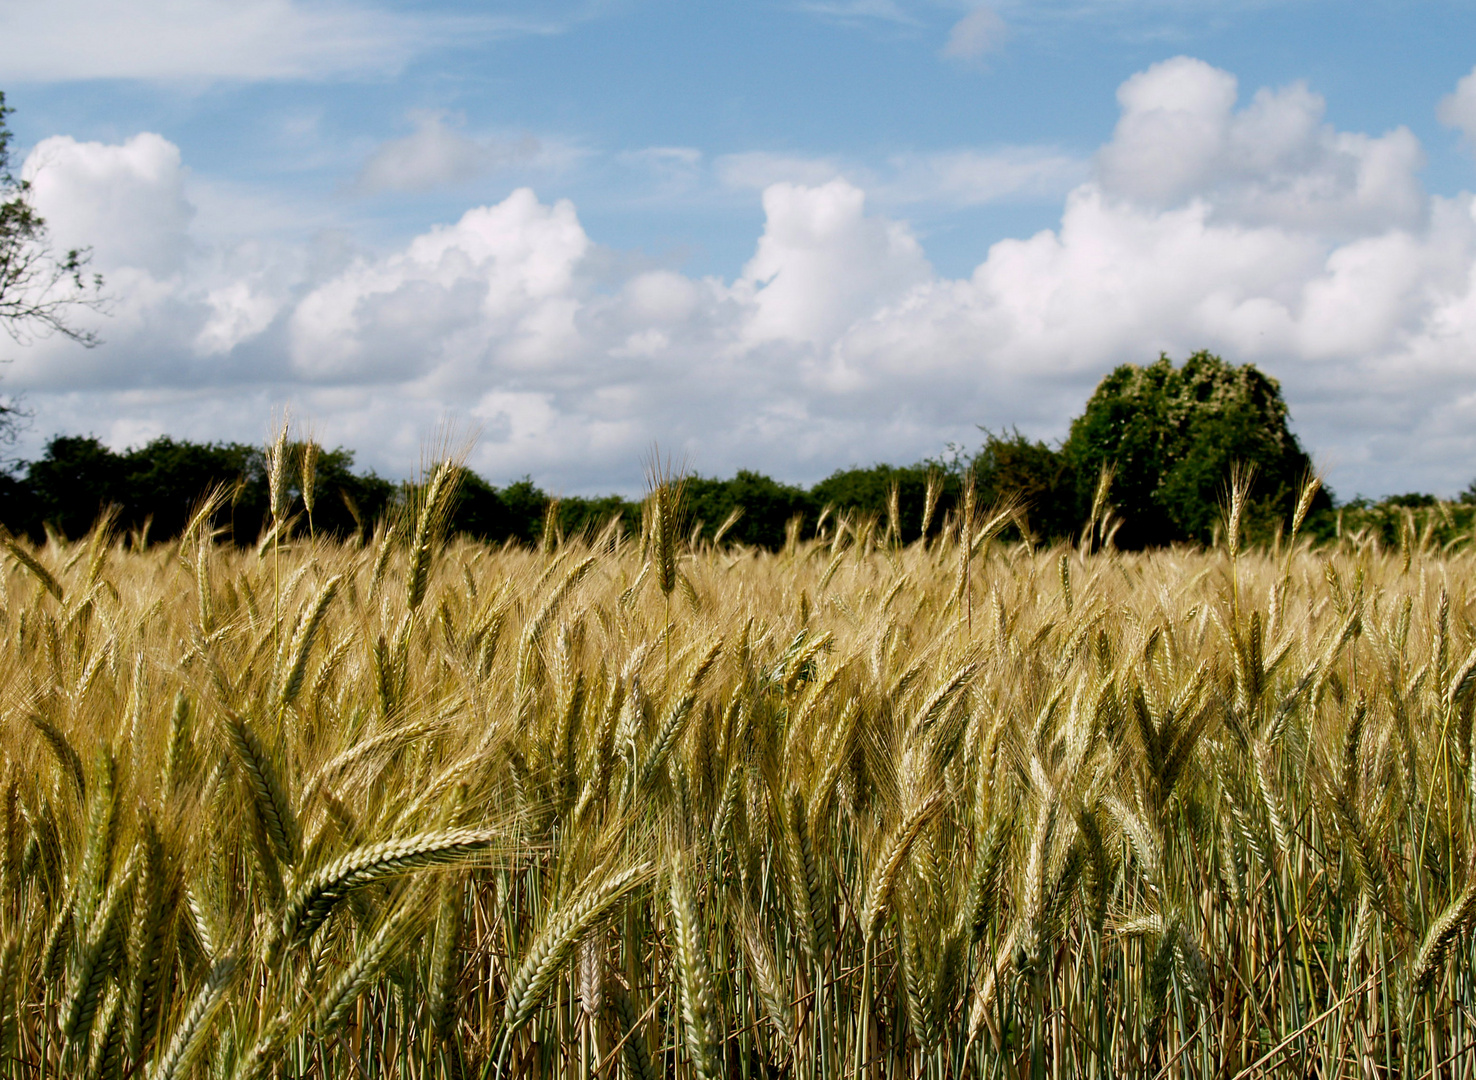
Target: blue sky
[{"x": 792, "y": 236}]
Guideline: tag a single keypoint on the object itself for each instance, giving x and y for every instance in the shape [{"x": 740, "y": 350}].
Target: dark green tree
[
  {"x": 767, "y": 507},
  {"x": 161, "y": 482},
  {"x": 77, "y": 478},
  {"x": 526, "y": 504},
  {"x": 1015, "y": 467},
  {"x": 518, "y": 512},
  {"x": 478, "y": 510},
  {"x": 1172, "y": 435},
  {"x": 159, "y": 485},
  {"x": 347, "y": 502},
  {"x": 867, "y": 490},
  {"x": 587, "y": 516}
]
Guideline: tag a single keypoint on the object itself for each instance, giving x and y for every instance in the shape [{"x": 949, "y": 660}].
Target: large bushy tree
[{"x": 1172, "y": 435}]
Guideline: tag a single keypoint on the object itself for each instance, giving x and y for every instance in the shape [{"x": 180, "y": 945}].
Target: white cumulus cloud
[
  {"x": 126, "y": 202},
  {"x": 491, "y": 294},
  {"x": 1275, "y": 161},
  {"x": 179, "y": 306},
  {"x": 822, "y": 263}
]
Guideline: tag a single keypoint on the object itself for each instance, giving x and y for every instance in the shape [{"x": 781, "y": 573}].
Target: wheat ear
[
  {"x": 1454, "y": 922},
  {"x": 90, "y": 972},
  {"x": 822, "y": 931},
  {"x": 879, "y": 896},
  {"x": 267, "y": 793},
  {"x": 591, "y": 975},
  {"x": 766, "y": 977},
  {"x": 277, "y": 454},
  {"x": 307, "y": 466},
  {"x": 309, "y": 907},
  {"x": 445, "y": 954},
  {"x": 66, "y": 754},
  {"x": 666, "y": 737},
  {"x": 633, "y": 1044},
  {"x": 334, "y": 1007},
  {"x": 105, "y": 1058},
  {"x": 27, "y": 560},
  {"x": 179, "y": 757},
  {"x": 548, "y": 954},
  {"x": 145, "y": 942},
  {"x": 388, "y": 535},
  {"x": 734, "y": 516},
  {"x": 302, "y": 640},
  {"x": 985, "y": 887},
  {"x": 264, "y": 1054},
  {"x": 189, "y": 1036},
  {"x": 694, "y": 981},
  {"x": 9, "y": 996},
  {"x": 434, "y": 510},
  {"x": 102, "y": 825},
  {"x": 538, "y": 625}
]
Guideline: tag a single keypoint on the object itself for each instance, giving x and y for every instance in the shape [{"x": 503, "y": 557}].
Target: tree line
[{"x": 1167, "y": 438}]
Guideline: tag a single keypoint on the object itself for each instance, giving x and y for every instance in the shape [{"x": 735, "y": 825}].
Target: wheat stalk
[
  {"x": 1444, "y": 933},
  {"x": 632, "y": 1043},
  {"x": 303, "y": 638},
  {"x": 1085, "y": 841},
  {"x": 367, "y": 965},
  {"x": 435, "y": 507}
]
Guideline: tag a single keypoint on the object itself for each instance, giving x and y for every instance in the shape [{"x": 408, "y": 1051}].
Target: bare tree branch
[{"x": 39, "y": 288}]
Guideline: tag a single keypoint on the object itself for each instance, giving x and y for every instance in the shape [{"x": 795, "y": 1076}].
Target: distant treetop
[{"x": 1172, "y": 434}]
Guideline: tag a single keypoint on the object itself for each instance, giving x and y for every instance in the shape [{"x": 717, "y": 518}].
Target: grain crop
[{"x": 628, "y": 807}]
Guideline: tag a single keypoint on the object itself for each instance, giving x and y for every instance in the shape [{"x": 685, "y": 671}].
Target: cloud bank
[{"x": 1256, "y": 230}]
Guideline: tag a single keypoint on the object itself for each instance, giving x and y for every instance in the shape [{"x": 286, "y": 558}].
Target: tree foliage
[
  {"x": 862, "y": 491},
  {"x": 1035, "y": 475},
  {"x": 766, "y": 504},
  {"x": 1171, "y": 435},
  {"x": 156, "y": 487}
]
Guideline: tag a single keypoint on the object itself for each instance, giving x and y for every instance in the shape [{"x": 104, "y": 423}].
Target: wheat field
[{"x": 631, "y": 807}]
